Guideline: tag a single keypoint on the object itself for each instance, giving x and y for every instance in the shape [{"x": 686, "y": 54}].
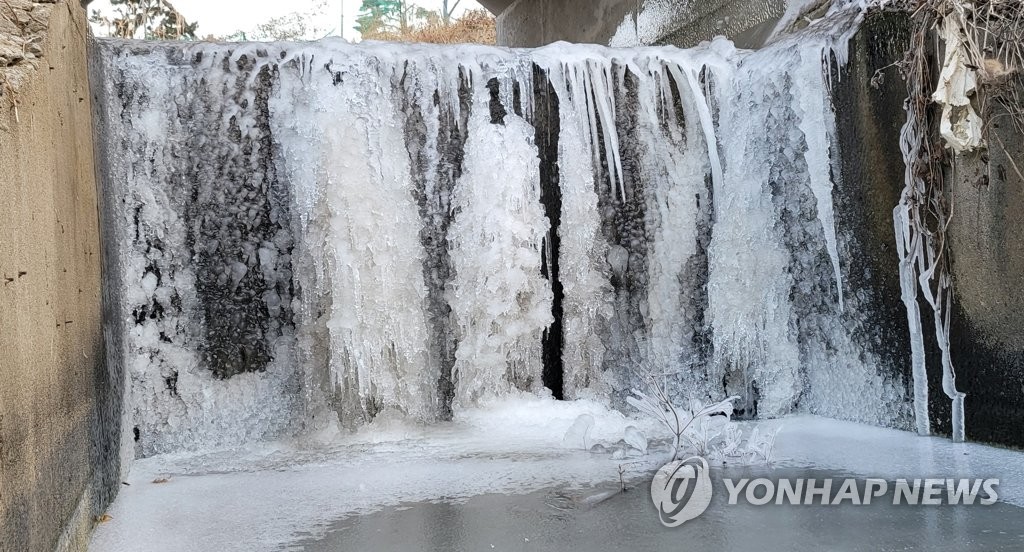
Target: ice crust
[
  {"x": 295, "y": 490},
  {"x": 319, "y": 232}
]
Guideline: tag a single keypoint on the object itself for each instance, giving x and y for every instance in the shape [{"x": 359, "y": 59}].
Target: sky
[{"x": 224, "y": 17}]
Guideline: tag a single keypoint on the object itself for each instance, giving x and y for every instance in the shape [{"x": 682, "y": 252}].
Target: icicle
[
  {"x": 906, "y": 245},
  {"x": 816, "y": 121},
  {"x": 602, "y": 88},
  {"x": 707, "y": 125},
  {"x": 674, "y": 166},
  {"x": 920, "y": 267},
  {"x": 940, "y": 304},
  {"x": 583, "y": 73},
  {"x": 583, "y": 253},
  {"x": 500, "y": 301}
]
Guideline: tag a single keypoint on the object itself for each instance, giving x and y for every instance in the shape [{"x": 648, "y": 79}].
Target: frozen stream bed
[
  {"x": 553, "y": 519},
  {"x": 501, "y": 475}
]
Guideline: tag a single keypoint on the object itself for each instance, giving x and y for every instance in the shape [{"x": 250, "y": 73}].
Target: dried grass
[
  {"x": 993, "y": 31},
  {"x": 474, "y": 27}
]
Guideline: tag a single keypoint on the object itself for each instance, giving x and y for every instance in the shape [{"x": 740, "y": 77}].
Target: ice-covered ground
[{"x": 266, "y": 497}]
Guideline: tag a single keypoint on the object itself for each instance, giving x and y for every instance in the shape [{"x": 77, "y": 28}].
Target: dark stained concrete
[{"x": 58, "y": 465}]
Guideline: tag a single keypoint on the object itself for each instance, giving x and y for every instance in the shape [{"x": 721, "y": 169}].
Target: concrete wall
[
  {"x": 53, "y": 479},
  {"x": 868, "y": 121},
  {"x": 987, "y": 254},
  {"x": 530, "y": 23}
]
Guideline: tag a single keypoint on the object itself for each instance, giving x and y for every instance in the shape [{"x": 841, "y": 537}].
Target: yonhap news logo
[
  {"x": 682, "y": 489},
  {"x": 862, "y": 492}
]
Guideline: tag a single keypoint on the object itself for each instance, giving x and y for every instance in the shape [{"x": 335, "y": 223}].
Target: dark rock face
[
  {"x": 232, "y": 213},
  {"x": 987, "y": 255},
  {"x": 236, "y": 214},
  {"x": 868, "y": 120},
  {"x": 197, "y": 233},
  {"x": 815, "y": 295},
  {"x": 434, "y": 201},
  {"x": 985, "y": 245},
  {"x": 626, "y": 228},
  {"x": 545, "y": 100},
  {"x": 238, "y": 217}
]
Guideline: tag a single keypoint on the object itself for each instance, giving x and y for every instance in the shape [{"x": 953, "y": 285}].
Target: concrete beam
[
  {"x": 531, "y": 23},
  {"x": 496, "y": 6}
]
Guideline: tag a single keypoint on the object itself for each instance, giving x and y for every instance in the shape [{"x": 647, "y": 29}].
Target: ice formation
[
  {"x": 921, "y": 257},
  {"x": 651, "y": 22},
  {"x": 325, "y": 230},
  {"x": 499, "y": 298}
]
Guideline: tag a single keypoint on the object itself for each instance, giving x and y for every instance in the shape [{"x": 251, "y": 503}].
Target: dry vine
[{"x": 989, "y": 37}]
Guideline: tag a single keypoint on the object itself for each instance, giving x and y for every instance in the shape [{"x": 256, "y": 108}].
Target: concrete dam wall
[{"x": 58, "y": 460}]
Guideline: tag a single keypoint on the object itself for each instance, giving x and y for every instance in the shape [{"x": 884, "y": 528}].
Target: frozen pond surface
[
  {"x": 556, "y": 520},
  {"x": 278, "y": 496}
]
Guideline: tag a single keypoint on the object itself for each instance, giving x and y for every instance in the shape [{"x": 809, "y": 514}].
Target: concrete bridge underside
[{"x": 530, "y": 23}]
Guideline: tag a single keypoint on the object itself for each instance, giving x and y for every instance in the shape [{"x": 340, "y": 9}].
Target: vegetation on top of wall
[
  {"x": 402, "y": 21},
  {"x": 297, "y": 25},
  {"x": 376, "y": 16},
  {"x": 147, "y": 19},
  {"x": 993, "y": 34},
  {"x": 983, "y": 43},
  {"x": 474, "y": 27}
]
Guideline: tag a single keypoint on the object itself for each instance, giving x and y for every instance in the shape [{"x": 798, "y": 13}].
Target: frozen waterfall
[{"x": 313, "y": 230}]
